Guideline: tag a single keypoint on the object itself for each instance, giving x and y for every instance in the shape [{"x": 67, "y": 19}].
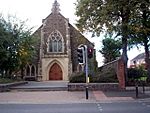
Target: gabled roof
[
  {"x": 140, "y": 56},
  {"x": 38, "y": 31},
  {"x": 81, "y": 35},
  {"x": 56, "y": 11}
]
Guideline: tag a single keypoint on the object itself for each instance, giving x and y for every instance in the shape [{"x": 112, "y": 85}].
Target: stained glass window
[{"x": 55, "y": 42}]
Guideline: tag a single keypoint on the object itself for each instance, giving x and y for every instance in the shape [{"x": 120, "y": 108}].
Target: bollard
[
  {"x": 136, "y": 90},
  {"x": 87, "y": 95}
]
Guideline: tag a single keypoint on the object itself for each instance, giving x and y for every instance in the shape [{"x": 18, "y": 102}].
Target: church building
[{"x": 56, "y": 57}]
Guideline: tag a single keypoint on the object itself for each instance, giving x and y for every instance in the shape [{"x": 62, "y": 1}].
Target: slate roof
[{"x": 140, "y": 56}]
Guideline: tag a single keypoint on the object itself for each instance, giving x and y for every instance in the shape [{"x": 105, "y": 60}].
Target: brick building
[
  {"x": 56, "y": 51},
  {"x": 139, "y": 60}
]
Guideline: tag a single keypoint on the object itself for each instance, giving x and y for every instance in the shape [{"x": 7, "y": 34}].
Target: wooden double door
[{"x": 55, "y": 72}]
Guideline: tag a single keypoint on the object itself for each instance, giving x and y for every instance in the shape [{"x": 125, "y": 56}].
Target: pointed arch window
[{"x": 56, "y": 42}]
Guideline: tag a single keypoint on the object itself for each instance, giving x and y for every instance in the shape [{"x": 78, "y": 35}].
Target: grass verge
[{"x": 6, "y": 80}]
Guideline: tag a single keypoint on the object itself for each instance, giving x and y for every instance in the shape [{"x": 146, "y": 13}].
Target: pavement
[
  {"x": 64, "y": 97},
  {"x": 45, "y": 97}
]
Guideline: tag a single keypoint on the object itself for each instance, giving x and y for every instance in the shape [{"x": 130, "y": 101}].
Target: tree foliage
[
  {"x": 16, "y": 45},
  {"x": 140, "y": 27},
  {"x": 111, "y": 49},
  {"x": 109, "y": 15}
]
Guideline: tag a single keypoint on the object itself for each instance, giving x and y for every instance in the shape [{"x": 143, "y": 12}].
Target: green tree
[
  {"x": 16, "y": 46},
  {"x": 5, "y": 42},
  {"x": 140, "y": 27},
  {"x": 111, "y": 49},
  {"x": 110, "y": 15}
]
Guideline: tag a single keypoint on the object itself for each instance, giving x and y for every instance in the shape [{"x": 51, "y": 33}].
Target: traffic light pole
[
  {"x": 83, "y": 60},
  {"x": 86, "y": 68}
]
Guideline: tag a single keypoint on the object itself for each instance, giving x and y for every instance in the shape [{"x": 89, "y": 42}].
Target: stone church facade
[{"x": 56, "y": 51}]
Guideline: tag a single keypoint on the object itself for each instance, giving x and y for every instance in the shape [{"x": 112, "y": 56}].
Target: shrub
[
  {"x": 102, "y": 78},
  {"x": 105, "y": 76},
  {"x": 135, "y": 73},
  {"x": 78, "y": 77},
  {"x": 108, "y": 76}
]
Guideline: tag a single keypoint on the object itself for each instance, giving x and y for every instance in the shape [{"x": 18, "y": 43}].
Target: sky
[{"x": 35, "y": 10}]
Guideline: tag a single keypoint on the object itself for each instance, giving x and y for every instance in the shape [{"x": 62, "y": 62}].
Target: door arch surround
[{"x": 55, "y": 72}]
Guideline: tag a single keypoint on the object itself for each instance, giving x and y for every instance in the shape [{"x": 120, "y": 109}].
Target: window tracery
[{"x": 55, "y": 42}]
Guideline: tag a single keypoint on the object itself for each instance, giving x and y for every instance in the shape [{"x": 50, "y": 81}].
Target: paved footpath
[{"x": 56, "y": 97}]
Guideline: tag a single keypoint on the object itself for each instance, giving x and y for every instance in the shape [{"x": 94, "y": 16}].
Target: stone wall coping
[
  {"x": 92, "y": 83},
  {"x": 93, "y": 86}
]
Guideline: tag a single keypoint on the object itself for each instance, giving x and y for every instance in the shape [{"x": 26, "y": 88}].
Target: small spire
[{"x": 55, "y": 8}]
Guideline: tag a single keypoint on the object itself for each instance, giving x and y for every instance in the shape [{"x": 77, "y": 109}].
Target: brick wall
[
  {"x": 120, "y": 74},
  {"x": 118, "y": 66}
]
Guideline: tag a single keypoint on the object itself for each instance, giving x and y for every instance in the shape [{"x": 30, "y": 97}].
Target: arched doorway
[{"x": 55, "y": 72}]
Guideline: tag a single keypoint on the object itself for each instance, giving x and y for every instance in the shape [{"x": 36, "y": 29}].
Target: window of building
[{"x": 55, "y": 42}]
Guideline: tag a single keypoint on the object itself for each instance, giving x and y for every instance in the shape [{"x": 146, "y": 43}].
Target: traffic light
[
  {"x": 90, "y": 52},
  {"x": 81, "y": 55}
]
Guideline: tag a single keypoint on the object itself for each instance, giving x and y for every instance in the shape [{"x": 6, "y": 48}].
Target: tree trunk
[
  {"x": 125, "y": 19},
  {"x": 124, "y": 57},
  {"x": 145, "y": 41},
  {"x": 147, "y": 60}
]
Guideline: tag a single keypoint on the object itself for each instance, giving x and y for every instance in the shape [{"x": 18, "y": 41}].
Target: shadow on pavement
[{"x": 132, "y": 94}]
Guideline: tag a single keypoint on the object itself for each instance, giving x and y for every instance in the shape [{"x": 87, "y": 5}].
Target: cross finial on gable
[{"x": 55, "y": 8}]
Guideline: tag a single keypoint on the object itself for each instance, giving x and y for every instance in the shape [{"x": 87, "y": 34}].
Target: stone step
[
  {"x": 40, "y": 89},
  {"x": 42, "y": 86},
  {"x": 6, "y": 87}
]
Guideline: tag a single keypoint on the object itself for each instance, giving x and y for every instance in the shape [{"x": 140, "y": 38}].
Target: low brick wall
[
  {"x": 93, "y": 86},
  {"x": 6, "y": 87}
]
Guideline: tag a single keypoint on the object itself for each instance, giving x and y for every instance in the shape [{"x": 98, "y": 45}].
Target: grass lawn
[
  {"x": 142, "y": 78},
  {"x": 6, "y": 80}
]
